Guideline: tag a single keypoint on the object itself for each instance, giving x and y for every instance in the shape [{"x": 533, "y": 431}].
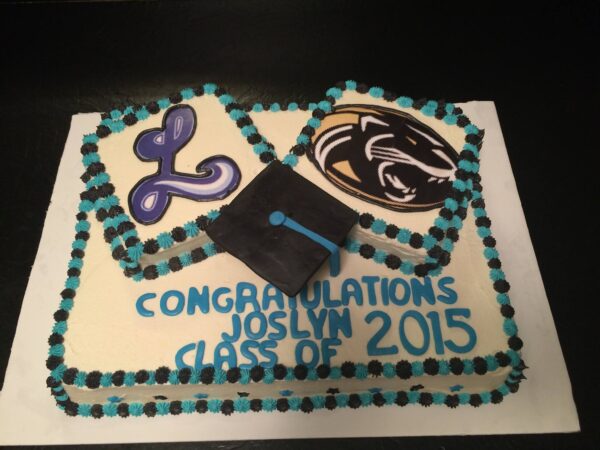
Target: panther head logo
[{"x": 384, "y": 156}]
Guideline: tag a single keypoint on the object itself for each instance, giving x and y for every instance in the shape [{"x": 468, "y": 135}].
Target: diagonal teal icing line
[{"x": 277, "y": 218}]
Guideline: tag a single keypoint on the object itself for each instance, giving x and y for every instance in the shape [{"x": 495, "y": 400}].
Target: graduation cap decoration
[{"x": 284, "y": 228}]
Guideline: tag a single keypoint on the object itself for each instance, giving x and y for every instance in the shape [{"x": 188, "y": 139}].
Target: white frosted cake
[{"x": 216, "y": 270}]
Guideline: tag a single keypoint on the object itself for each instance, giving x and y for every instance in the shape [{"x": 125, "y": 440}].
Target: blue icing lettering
[
  {"x": 436, "y": 331},
  {"x": 286, "y": 393},
  {"x": 452, "y": 322},
  {"x": 248, "y": 354},
  {"x": 198, "y": 364},
  {"x": 393, "y": 291},
  {"x": 372, "y": 344},
  {"x": 327, "y": 350},
  {"x": 327, "y": 301},
  {"x": 340, "y": 322},
  {"x": 164, "y": 303},
  {"x": 370, "y": 281},
  {"x": 312, "y": 348},
  {"x": 262, "y": 325},
  {"x": 278, "y": 326},
  {"x": 228, "y": 358},
  {"x": 384, "y": 292},
  {"x": 268, "y": 354},
  {"x": 317, "y": 321},
  {"x": 236, "y": 325},
  {"x": 422, "y": 290},
  {"x": 217, "y": 293},
  {"x": 201, "y": 395},
  {"x": 351, "y": 289},
  {"x": 180, "y": 355},
  {"x": 294, "y": 331},
  {"x": 198, "y": 300},
  {"x": 292, "y": 302},
  {"x": 406, "y": 343},
  {"x": 139, "y": 304},
  {"x": 275, "y": 296},
  {"x": 451, "y": 296},
  {"x": 243, "y": 298},
  {"x": 314, "y": 302}
]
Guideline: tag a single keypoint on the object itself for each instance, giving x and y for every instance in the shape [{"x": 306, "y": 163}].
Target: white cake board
[{"x": 544, "y": 403}]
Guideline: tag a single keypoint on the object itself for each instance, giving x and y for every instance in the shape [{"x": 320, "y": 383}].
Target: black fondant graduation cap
[{"x": 283, "y": 227}]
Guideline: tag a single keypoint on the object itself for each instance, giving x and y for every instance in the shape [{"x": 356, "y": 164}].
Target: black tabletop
[{"x": 538, "y": 65}]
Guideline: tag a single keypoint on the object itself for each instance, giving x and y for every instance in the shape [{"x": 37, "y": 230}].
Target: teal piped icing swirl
[
  {"x": 443, "y": 367},
  {"x": 378, "y": 226},
  {"x": 290, "y": 160},
  {"x": 376, "y": 92},
  {"x": 438, "y": 398},
  {"x": 59, "y": 327},
  {"x": 294, "y": 403},
  {"x": 269, "y": 404},
  {"x": 407, "y": 268},
  {"x": 214, "y": 405},
  {"x": 106, "y": 379},
  {"x": 389, "y": 371},
  {"x": 380, "y": 256},
  {"x": 334, "y": 92},
  {"x": 510, "y": 327},
  {"x": 429, "y": 241},
  {"x": 109, "y": 409},
  {"x": 163, "y": 103},
  {"x": 335, "y": 373},
  {"x": 188, "y": 94},
  {"x": 162, "y": 408},
  {"x": 226, "y": 99},
  {"x": 191, "y": 229},
  {"x": 165, "y": 240},
  {"x": 389, "y": 397},
  {"x": 188, "y": 406},
  {"x": 417, "y": 368},
  {"x": 362, "y": 371},
  {"x": 66, "y": 304},
  {"x": 90, "y": 139},
  {"x": 351, "y": 85},
  {"x": 404, "y": 235},
  {"x": 241, "y": 404},
  {"x": 56, "y": 350},
  {"x": 136, "y": 409},
  {"x": 186, "y": 259},
  {"x": 268, "y": 377},
  {"x": 366, "y": 399},
  {"x": 318, "y": 401},
  {"x": 84, "y": 410},
  {"x": 413, "y": 397},
  {"x": 80, "y": 379},
  {"x": 209, "y": 88}
]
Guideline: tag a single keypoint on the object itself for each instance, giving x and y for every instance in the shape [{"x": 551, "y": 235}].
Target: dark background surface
[{"x": 537, "y": 65}]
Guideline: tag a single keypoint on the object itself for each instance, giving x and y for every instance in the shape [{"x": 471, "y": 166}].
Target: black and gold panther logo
[{"x": 384, "y": 156}]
